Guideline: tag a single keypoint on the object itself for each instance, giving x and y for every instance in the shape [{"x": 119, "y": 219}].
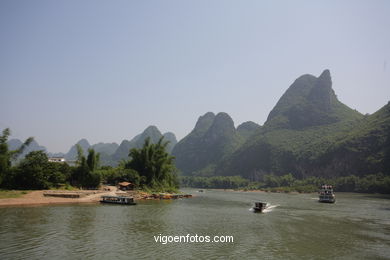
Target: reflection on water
[{"x": 295, "y": 226}]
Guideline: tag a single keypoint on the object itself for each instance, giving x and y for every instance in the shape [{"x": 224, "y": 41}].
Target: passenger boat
[
  {"x": 260, "y": 206},
  {"x": 326, "y": 194},
  {"x": 118, "y": 200}
]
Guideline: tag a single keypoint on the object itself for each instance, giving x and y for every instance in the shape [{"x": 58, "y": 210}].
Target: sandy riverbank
[{"x": 38, "y": 198}]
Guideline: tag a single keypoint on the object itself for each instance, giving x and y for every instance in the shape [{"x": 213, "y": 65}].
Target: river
[{"x": 296, "y": 226}]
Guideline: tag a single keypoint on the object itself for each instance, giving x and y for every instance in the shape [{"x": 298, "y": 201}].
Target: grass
[
  {"x": 65, "y": 187},
  {"x": 9, "y": 194}
]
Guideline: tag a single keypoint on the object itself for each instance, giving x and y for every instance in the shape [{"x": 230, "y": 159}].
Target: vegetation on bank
[
  {"x": 150, "y": 168},
  {"x": 10, "y": 194},
  {"x": 216, "y": 182},
  {"x": 375, "y": 183}
]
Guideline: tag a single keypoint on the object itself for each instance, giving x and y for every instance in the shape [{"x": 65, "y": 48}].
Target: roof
[{"x": 125, "y": 183}]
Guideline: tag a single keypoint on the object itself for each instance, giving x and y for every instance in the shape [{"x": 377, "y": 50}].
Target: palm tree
[
  {"x": 6, "y": 156},
  {"x": 153, "y": 162}
]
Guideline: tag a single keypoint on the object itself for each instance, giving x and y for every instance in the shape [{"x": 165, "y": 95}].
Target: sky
[{"x": 105, "y": 70}]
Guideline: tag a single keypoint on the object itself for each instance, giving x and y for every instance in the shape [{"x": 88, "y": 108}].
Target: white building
[{"x": 57, "y": 159}]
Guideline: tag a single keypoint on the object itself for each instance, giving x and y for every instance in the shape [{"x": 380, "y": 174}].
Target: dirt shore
[
  {"x": 38, "y": 198},
  {"x": 43, "y": 197}
]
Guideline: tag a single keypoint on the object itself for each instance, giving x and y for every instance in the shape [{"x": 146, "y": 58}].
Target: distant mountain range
[
  {"x": 213, "y": 138},
  {"x": 15, "y": 144},
  {"x": 152, "y": 132},
  {"x": 110, "y": 153},
  {"x": 309, "y": 132}
]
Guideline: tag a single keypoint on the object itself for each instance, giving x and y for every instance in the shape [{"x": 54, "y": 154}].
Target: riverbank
[
  {"x": 38, "y": 198},
  {"x": 46, "y": 197},
  {"x": 8, "y": 194}
]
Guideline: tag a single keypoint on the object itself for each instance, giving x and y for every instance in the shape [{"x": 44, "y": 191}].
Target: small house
[
  {"x": 57, "y": 159},
  {"x": 125, "y": 185}
]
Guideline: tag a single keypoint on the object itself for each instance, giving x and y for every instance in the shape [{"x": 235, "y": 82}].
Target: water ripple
[{"x": 295, "y": 227}]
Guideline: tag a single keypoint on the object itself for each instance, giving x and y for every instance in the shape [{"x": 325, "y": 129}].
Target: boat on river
[
  {"x": 326, "y": 194},
  {"x": 118, "y": 200},
  {"x": 260, "y": 207}
]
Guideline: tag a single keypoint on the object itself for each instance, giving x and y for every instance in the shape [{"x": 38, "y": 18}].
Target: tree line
[
  {"x": 374, "y": 183},
  {"x": 150, "y": 167},
  {"x": 216, "y": 182}
]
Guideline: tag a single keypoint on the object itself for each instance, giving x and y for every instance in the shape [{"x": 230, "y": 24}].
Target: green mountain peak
[
  {"x": 308, "y": 102},
  {"x": 204, "y": 122},
  {"x": 213, "y": 138}
]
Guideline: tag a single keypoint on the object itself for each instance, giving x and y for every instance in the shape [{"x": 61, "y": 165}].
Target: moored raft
[{"x": 118, "y": 200}]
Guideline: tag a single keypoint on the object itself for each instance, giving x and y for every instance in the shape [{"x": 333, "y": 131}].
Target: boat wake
[{"x": 268, "y": 209}]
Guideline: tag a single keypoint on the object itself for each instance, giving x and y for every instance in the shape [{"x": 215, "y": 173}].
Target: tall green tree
[
  {"x": 6, "y": 156},
  {"x": 36, "y": 172},
  {"x": 33, "y": 172},
  {"x": 155, "y": 165},
  {"x": 93, "y": 160},
  {"x": 85, "y": 174}
]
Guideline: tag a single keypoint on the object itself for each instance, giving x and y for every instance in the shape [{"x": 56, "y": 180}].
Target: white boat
[{"x": 326, "y": 194}]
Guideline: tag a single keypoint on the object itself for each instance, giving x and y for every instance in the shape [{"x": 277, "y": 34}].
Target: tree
[
  {"x": 154, "y": 164},
  {"x": 59, "y": 173},
  {"x": 6, "y": 156},
  {"x": 33, "y": 171},
  {"x": 85, "y": 174},
  {"x": 93, "y": 160},
  {"x": 386, "y": 159},
  {"x": 287, "y": 180},
  {"x": 271, "y": 180},
  {"x": 114, "y": 175}
]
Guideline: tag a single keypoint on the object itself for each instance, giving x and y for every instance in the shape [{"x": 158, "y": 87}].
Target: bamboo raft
[{"x": 68, "y": 194}]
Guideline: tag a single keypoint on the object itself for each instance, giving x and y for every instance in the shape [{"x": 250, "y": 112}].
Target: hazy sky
[{"x": 105, "y": 70}]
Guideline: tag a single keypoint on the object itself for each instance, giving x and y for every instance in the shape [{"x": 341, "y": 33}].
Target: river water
[{"x": 357, "y": 226}]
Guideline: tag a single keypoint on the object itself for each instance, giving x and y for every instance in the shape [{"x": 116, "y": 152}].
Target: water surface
[{"x": 297, "y": 227}]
